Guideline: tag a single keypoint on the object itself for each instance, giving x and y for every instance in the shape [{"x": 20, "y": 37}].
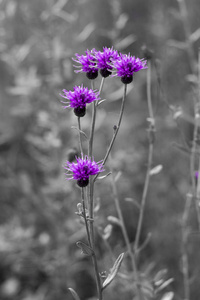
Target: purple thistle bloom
[
  {"x": 88, "y": 64},
  {"x": 82, "y": 169},
  {"x": 126, "y": 65},
  {"x": 78, "y": 99},
  {"x": 104, "y": 59}
]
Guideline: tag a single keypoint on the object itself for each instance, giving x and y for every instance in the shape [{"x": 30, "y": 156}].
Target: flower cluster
[
  {"x": 109, "y": 61},
  {"x": 78, "y": 99},
  {"x": 83, "y": 169}
]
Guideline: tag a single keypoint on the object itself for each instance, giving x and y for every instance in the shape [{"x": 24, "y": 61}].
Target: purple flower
[
  {"x": 78, "y": 99},
  {"x": 82, "y": 169},
  {"x": 104, "y": 59},
  {"x": 127, "y": 65},
  {"x": 88, "y": 64}
]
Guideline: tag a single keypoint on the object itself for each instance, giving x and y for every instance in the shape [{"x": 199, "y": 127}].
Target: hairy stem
[{"x": 151, "y": 132}]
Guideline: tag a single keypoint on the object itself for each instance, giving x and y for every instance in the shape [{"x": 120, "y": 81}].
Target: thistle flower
[
  {"x": 78, "y": 99},
  {"x": 88, "y": 64},
  {"x": 104, "y": 59},
  {"x": 82, "y": 170},
  {"x": 127, "y": 65}
]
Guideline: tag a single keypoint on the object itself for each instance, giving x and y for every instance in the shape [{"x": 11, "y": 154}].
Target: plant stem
[
  {"x": 94, "y": 260},
  {"x": 151, "y": 132},
  {"x": 116, "y": 129},
  {"x": 80, "y": 141},
  {"x": 190, "y": 50},
  {"x": 125, "y": 235},
  {"x": 91, "y": 194},
  {"x": 185, "y": 263}
]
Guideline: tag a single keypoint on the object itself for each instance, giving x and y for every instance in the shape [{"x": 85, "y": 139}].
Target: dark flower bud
[
  {"x": 80, "y": 111},
  {"x": 83, "y": 182},
  {"x": 105, "y": 72},
  {"x": 92, "y": 74},
  {"x": 127, "y": 79}
]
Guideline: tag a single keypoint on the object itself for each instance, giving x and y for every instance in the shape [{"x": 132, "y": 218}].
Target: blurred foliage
[{"x": 38, "y": 226}]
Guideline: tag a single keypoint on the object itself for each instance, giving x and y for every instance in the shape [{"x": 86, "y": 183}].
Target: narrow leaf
[
  {"x": 85, "y": 249},
  {"x": 133, "y": 201},
  {"x": 74, "y": 294},
  {"x": 113, "y": 271},
  {"x": 104, "y": 176},
  {"x": 156, "y": 170},
  {"x": 195, "y": 35},
  {"x": 114, "y": 220},
  {"x": 86, "y": 32},
  {"x": 168, "y": 296},
  {"x": 177, "y": 44},
  {"x": 165, "y": 284}
]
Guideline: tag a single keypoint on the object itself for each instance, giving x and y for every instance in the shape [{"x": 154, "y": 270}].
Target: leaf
[
  {"x": 165, "y": 284},
  {"x": 85, "y": 249},
  {"x": 118, "y": 176},
  {"x": 133, "y": 201},
  {"x": 195, "y": 35},
  {"x": 156, "y": 170},
  {"x": 159, "y": 277},
  {"x": 74, "y": 294},
  {"x": 177, "y": 44},
  {"x": 104, "y": 176},
  {"x": 127, "y": 41},
  {"x": 114, "y": 220},
  {"x": 86, "y": 32},
  {"x": 113, "y": 271},
  {"x": 168, "y": 296}
]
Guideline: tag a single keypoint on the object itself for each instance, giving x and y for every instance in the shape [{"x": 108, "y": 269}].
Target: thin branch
[
  {"x": 79, "y": 135},
  {"x": 125, "y": 235},
  {"x": 151, "y": 132}
]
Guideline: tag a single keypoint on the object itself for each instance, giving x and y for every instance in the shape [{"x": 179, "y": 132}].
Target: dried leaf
[
  {"x": 74, "y": 294},
  {"x": 113, "y": 271},
  {"x": 85, "y": 249}
]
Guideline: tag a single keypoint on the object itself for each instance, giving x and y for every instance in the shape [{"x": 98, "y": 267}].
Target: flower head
[
  {"x": 88, "y": 64},
  {"x": 104, "y": 59},
  {"x": 78, "y": 99},
  {"x": 127, "y": 65},
  {"x": 82, "y": 169}
]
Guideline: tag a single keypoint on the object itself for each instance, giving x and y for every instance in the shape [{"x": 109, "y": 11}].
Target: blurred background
[{"x": 39, "y": 229}]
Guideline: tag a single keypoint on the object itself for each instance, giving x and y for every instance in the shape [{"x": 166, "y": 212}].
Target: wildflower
[
  {"x": 88, "y": 64},
  {"x": 127, "y": 65},
  {"x": 83, "y": 169},
  {"x": 78, "y": 99},
  {"x": 104, "y": 59}
]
